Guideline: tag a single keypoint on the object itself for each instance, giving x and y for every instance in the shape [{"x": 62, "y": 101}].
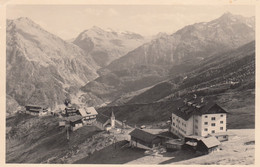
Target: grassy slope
[
  {"x": 238, "y": 103},
  {"x": 40, "y": 140}
]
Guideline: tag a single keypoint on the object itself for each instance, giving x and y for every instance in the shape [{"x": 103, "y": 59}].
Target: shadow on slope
[
  {"x": 179, "y": 156},
  {"x": 113, "y": 154}
]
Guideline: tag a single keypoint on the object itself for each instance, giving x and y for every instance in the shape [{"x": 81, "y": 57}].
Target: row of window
[
  {"x": 183, "y": 124},
  {"x": 180, "y": 129},
  {"x": 213, "y": 118},
  {"x": 206, "y": 129},
  {"x": 213, "y": 124}
]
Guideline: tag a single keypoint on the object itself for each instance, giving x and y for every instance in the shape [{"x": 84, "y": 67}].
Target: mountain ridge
[
  {"x": 41, "y": 65},
  {"x": 107, "y": 45},
  {"x": 177, "y": 53}
]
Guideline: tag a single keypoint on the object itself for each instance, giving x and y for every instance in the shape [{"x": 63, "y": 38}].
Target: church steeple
[
  {"x": 112, "y": 118},
  {"x": 112, "y": 114}
]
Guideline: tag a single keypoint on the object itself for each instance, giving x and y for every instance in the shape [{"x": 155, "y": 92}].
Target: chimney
[
  {"x": 194, "y": 96},
  {"x": 202, "y": 100}
]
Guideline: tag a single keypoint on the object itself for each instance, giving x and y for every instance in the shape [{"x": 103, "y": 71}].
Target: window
[
  {"x": 213, "y": 124},
  {"x": 221, "y": 115},
  {"x": 206, "y": 116},
  {"x": 196, "y": 120},
  {"x": 206, "y": 129},
  {"x": 221, "y": 128},
  {"x": 173, "y": 124},
  {"x": 213, "y": 118},
  {"x": 196, "y": 133},
  {"x": 221, "y": 122},
  {"x": 205, "y": 123},
  {"x": 196, "y": 127},
  {"x": 213, "y": 131}
]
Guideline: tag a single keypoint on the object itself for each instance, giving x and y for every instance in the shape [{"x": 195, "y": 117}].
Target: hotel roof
[{"x": 185, "y": 110}]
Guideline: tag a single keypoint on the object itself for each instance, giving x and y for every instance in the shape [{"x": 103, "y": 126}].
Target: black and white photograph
[{"x": 125, "y": 83}]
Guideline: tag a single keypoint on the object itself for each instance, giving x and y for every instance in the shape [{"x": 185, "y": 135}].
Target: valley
[{"x": 139, "y": 82}]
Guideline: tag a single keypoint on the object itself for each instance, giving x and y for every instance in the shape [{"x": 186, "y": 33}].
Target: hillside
[
  {"x": 115, "y": 84},
  {"x": 107, "y": 45},
  {"x": 32, "y": 139},
  {"x": 40, "y": 140},
  {"x": 237, "y": 102},
  {"x": 170, "y": 57},
  {"x": 40, "y": 65},
  {"x": 211, "y": 76}
]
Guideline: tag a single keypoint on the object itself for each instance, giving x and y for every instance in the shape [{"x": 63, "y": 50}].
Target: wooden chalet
[
  {"x": 204, "y": 145},
  {"x": 88, "y": 114},
  {"x": 207, "y": 145},
  {"x": 142, "y": 138},
  {"x": 36, "y": 110},
  {"x": 75, "y": 122},
  {"x": 71, "y": 111}
]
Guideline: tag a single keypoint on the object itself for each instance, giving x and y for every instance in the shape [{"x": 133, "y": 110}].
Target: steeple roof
[{"x": 112, "y": 114}]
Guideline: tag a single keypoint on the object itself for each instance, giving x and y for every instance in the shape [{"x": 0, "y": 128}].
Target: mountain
[
  {"x": 212, "y": 75},
  {"x": 40, "y": 65},
  {"x": 227, "y": 78},
  {"x": 107, "y": 45},
  {"x": 171, "y": 56},
  {"x": 191, "y": 43}
]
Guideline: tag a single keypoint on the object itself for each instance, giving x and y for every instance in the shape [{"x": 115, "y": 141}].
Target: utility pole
[{"x": 68, "y": 134}]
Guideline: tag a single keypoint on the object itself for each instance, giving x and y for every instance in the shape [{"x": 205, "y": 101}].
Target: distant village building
[
  {"x": 201, "y": 144},
  {"x": 208, "y": 145},
  {"x": 79, "y": 118},
  {"x": 36, "y": 110},
  {"x": 75, "y": 122},
  {"x": 195, "y": 116},
  {"x": 105, "y": 122},
  {"x": 89, "y": 115},
  {"x": 70, "y": 111},
  {"x": 141, "y": 138}
]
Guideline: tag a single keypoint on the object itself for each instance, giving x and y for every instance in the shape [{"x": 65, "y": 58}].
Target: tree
[{"x": 67, "y": 102}]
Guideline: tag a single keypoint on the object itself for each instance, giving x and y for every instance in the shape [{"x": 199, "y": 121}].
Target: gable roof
[
  {"x": 210, "y": 141},
  {"x": 74, "y": 118},
  {"x": 36, "y": 107},
  {"x": 112, "y": 114},
  {"x": 89, "y": 111},
  {"x": 142, "y": 135},
  {"x": 195, "y": 107},
  {"x": 212, "y": 108}
]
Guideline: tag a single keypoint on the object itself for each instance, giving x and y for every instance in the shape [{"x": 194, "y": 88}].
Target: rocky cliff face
[
  {"x": 40, "y": 65},
  {"x": 107, "y": 45}
]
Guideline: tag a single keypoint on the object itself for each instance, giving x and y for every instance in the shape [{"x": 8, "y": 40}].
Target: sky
[{"x": 68, "y": 21}]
